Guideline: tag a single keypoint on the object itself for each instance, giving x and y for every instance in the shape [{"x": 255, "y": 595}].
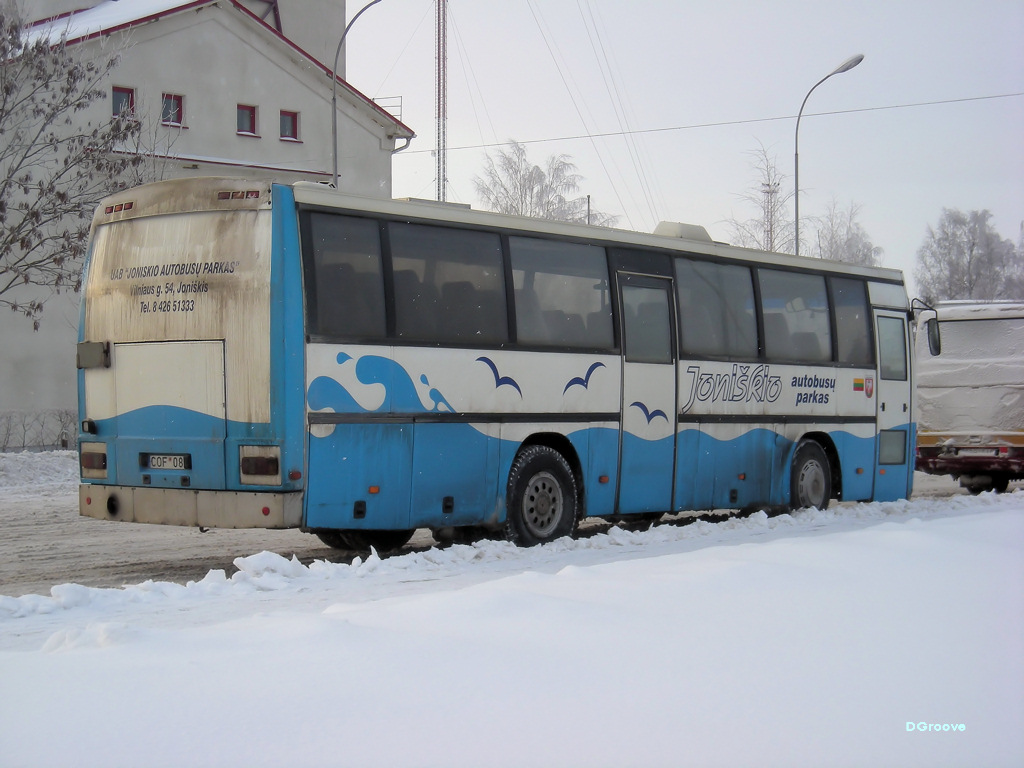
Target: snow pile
[
  {"x": 850, "y": 636},
  {"x": 29, "y": 473},
  {"x": 270, "y": 572},
  {"x": 825, "y": 645}
]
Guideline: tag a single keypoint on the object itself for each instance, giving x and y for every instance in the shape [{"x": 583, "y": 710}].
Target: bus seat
[
  {"x": 806, "y": 346},
  {"x": 599, "y": 327},
  {"x": 700, "y": 333},
  {"x": 337, "y": 298},
  {"x": 556, "y": 321},
  {"x": 776, "y": 336},
  {"x": 417, "y": 305},
  {"x": 529, "y": 322},
  {"x": 575, "y": 329},
  {"x": 459, "y": 310}
]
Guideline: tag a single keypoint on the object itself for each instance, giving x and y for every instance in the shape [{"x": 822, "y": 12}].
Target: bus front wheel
[
  {"x": 811, "y": 481},
  {"x": 541, "y": 497}
]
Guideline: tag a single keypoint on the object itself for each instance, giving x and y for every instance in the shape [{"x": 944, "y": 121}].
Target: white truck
[{"x": 970, "y": 393}]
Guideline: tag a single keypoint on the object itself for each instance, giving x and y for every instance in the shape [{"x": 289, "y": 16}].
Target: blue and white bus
[{"x": 278, "y": 356}]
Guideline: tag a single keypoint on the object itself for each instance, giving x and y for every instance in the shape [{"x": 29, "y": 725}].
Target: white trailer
[{"x": 970, "y": 393}]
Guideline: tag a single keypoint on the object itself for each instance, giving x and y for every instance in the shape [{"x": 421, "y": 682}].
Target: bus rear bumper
[{"x": 206, "y": 509}]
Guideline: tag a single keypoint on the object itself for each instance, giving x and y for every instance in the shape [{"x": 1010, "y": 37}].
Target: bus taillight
[
  {"x": 93, "y": 461},
  {"x": 260, "y": 464}
]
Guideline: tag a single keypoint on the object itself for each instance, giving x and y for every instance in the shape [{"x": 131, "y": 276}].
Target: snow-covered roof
[
  {"x": 978, "y": 310},
  {"x": 106, "y": 17},
  {"x": 112, "y": 16}
]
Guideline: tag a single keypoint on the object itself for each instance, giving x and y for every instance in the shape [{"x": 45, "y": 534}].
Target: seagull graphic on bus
[
  {"x": 649, "y": 414},
  {"x": 585, "y": 380},
  {"x": 499, "y": 380}
]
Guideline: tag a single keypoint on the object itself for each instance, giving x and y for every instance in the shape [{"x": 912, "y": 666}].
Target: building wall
[{"x": 215, "y": 58}]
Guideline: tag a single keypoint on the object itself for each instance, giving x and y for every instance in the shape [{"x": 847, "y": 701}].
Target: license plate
[
  {"x": 977, "y": 452},
  {"x": 169, "y": 461}
]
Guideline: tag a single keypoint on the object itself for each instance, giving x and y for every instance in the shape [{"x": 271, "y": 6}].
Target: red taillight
[
  {"x": 93, "y": 461},
  {"x": 260, "y": 465}
]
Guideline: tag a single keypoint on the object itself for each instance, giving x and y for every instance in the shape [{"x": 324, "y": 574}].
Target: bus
[
  {"x": 970, "y": 393},
  {"x": 254, "y": 354}
]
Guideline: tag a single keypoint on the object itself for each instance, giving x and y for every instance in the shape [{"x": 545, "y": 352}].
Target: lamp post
[
  {"x": 334, "y": 92},
  {"x": 846, "y": 66}
]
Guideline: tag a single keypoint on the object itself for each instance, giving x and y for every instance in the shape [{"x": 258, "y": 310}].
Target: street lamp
[
  {"x": 334, "y": 93},
  {"x": 846, "y": 66}
]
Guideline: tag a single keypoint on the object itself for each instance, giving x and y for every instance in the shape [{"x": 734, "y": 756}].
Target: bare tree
[
  {"x": 772, "y": 228},
  {"x": 965, "y": 258},
  {"x": 54, "y": 166},
  {"x": 512, "y": 184},
  {"x": 842, "y": 238}
]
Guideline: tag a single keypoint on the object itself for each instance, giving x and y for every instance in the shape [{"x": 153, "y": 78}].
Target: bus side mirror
[{"x": 934, "y": 337}]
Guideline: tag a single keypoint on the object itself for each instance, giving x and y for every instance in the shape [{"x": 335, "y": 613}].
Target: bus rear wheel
[
  {"x": 382, "y": 541},
  {"x": 811, "y": 479},
  {"x": 541, "y": 497}
]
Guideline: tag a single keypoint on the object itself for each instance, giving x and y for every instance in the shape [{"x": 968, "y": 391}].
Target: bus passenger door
[
  {"x": 895, "y": 445},
  {"x": 647, "y": 436}
]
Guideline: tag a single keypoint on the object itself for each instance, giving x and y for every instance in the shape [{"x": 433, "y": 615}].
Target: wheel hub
[{"x": 542, "y": 504}]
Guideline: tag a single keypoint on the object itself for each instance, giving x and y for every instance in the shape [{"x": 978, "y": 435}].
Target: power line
[{"x": 726, "y": 123}]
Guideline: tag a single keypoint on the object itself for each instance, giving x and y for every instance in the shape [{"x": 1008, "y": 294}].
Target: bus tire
[
  {"x": 541, "y": 497},
  {"x": 382, "y": 541},
  {"x": 811, "y": 479},
  {"x": 333, "y": 539}
]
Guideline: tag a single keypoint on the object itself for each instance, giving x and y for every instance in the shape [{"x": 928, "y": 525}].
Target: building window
[
  {"x": 246, "y": 120},
  {"x": 122, "y": 102},
  {"x": 172, "y": 110},
  {"x": 289, "y": 125}
]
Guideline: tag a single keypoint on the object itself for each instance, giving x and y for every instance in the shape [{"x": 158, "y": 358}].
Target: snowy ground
[{"x": 823, "y": 638}]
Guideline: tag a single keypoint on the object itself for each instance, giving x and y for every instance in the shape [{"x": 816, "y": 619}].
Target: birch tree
[
  {"x": 55, "y": 164},
  {"x": 965, "y": 258},
  {"x": 514, "y": 185}
]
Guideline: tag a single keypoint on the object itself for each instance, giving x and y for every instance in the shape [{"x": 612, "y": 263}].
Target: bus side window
[
  {"x": 461, "y": 294},
  {"x": 853, "y": 321},
  {"x": 716, "y": 309},
  {"x": 892, "y": 348},
  {"x": 562, "y": 296},
  {"x": 801, "y": 299},
  {"x": 347, "y": 282}
]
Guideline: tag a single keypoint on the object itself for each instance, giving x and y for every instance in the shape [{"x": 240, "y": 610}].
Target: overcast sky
[{"x": 701, "y": 84}]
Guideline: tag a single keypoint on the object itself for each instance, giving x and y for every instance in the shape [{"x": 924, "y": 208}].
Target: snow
[
  {"x": 977, "y": 384},
  {"x": 819, "y": 638},
  {"x": 106, "y": 15}
]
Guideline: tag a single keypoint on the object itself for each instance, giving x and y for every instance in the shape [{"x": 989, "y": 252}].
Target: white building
[{"x": 221, "y": 87}]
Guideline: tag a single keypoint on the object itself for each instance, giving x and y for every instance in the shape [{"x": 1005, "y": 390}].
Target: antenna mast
[{"x": 441, "y": 104}]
